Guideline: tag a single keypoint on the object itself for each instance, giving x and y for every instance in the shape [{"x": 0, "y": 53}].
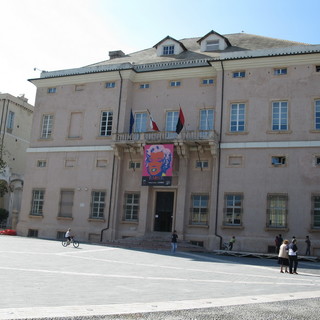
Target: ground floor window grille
[
  {"x": 315, "y": 212},
  {"x": 37, "y": 202},
  {"x": 199, "y": 209},
  {"x": 66, "y": 203},
  {"x": 277, "y": 211},
  {"x": 131, "y": 206},
  {"x": 233, "y": 207},
  {"x": 97, "y": 204}
]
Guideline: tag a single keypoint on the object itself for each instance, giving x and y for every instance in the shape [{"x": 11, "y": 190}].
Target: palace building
[{"x": 215, "y": 136}]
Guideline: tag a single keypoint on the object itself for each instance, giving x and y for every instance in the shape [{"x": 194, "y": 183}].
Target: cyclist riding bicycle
[{"x": 69, "y": 235}]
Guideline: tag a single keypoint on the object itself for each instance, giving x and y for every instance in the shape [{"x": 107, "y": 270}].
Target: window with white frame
[
  {"x": 280, "y": 116},
  {"x": 171, "y": 123},
  {"x": 175, "y": 83},
  {"x": 317, "y": 115},
  {"x": 212, "y": 45},
  {"x": 131, "y": 206},
  {"x": 97, "y": 204},
  {"x": 37, "y": 202},
  {"x": 207, "y": 82},
  {"x": 134, "y": 165},
  {"x": 144, "y": 86},
  {"x": 66, "y": 203},
  {"x": 140, "y": 122},
  {"x": 167, "y": 50},
  {"x": 52, "y": 90},
  {"x": 280, "y": 71},
  {"x": 47, "y": 126},
  {"x": 233, "y": 208},
  {"x": 41, "y": 163},
  {"x": 10, "y": 120},
  {"x": 199, "y": 209},
  {"x": 277, "y": 208},
  {"x": 237, "y": 117},
  {"x": 315, "y": 211},
  {"x": 106, "y": 123},
  {"x": 206, "y": 122},
  {"x": 110, "y": 85},
  {"x": 202, "y": 164},
  {"x": 278, "y": 161},
  {"x": 239, "y": 74}
]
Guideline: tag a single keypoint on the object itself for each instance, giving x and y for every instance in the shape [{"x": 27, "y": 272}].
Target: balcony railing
[{"x": 167, "y": 136}]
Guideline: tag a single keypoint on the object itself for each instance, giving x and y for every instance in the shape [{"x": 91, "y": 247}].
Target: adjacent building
[
  {"x": 15, "y": 128},
  {"x": 215, "y": 136}
]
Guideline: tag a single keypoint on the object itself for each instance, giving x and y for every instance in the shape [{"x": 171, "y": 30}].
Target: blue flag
[{"x": 131, "y": 122}]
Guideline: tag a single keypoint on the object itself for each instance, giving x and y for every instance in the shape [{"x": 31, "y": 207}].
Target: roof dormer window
[
  {"x": 212, "y": 45},
  {"x": 167, "y": 50}
]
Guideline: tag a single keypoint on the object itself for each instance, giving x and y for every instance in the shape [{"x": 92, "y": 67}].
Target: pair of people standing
[{"x": 288, "y": 256}]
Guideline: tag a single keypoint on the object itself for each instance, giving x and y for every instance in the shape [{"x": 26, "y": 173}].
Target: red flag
[
  {"x": 153, "y": 125},
  {"x": 180, "y": 122}
]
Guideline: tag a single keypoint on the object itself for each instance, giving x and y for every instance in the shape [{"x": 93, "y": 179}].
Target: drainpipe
[
  {"x": 113, "y": 163},
  {"x": 219, "y": 157}
]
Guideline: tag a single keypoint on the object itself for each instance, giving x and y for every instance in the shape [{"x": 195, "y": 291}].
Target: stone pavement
[{"x": 42, "y": 279}]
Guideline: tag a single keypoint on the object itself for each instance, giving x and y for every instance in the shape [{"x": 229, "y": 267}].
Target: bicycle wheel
[
  {"x": 76, "y": 243},
  {"x": 64, "y": 243}
]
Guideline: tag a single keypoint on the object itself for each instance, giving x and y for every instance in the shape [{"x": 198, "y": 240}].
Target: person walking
[
  {"x": 308, "y": 249},
  {"x": 283, "y": 258},
  {"x": 174, "y": 241},
  {"x": 231, "y": 242},
  {"x": 293, "y": 257}
]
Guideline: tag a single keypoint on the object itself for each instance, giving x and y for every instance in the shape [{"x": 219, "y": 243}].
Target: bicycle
[
  {"x": 225, "y": 246},
  {"x": 66, "y": 242}
]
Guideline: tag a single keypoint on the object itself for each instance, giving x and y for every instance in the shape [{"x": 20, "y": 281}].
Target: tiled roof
[{"x": 242, "y": 46}]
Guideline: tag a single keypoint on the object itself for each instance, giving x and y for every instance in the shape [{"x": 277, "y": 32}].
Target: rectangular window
[
  {"x": 277, "y": 211},
  {"x": 101, "y": 163},
  {"x": 97, "y": 204},
  {"x": 206, "y": 121},
  {"x": 280, "y": 71},
  {"x": 47, "y": 124},
  {"x": 175, "y": 83},
  {"x": 237, "y": 117},
  {"x": 168, "y": 50},
  {"x": 317, "y": 68},
  {"x": 212, "y": 45},
  {"x": 171, "y": 123},
  {"x": 199, "y": 210},
  {"x": 140, "y": 122},
  {"x": 52, "y": 90},
  {"x": 70, "y": 163},
  {"x": 278, "y": 161},
  {"x": 317, "y": 115},
  {"x": 144, "y": 86},
  {"x": 233, "y": 207},
  {"x": 131, "y": 206},
  {"x": 66, "y": 203},
  {"x": 202, "y": 164},
  {"x": 75, "y": 125},
  {"x": 315, "y": 211},
  {"x": 280, "y": 116},
  {"x": 110, "y": 85},
  {"x": 37, "y": 203},
  {"x": 235, "y": 161},
  {"x": 207, "y": 81},
  {"x": 41, "y": 163},
  {"x": 106, "y": 123},
  {"x": 79, "y": 87},
  {"x": 10, "y": 120},
  {"x": 239, "y": 74},
  {"x": 134, "y": 165}
]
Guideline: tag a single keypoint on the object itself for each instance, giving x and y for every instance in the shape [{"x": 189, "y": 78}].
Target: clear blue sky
[{"x": 62, "y": 34}]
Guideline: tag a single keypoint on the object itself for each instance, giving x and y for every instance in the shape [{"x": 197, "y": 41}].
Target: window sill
[
  {"x": 198, "y": 226},
  {"x": 314, "y": 230},
  {"x": 33, "y": 216},
  {"x": 232, "y": 227},
  {"x": 64, "y": 218},
  {"x": 129, "y": 222},
  {"x": 96, "y": 220},
  {"x": 284, "y": 229},
  {"x": 232, "y": 133},
  {"x": 279, "y": 132}
]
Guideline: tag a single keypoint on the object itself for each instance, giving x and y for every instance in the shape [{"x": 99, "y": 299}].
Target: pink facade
[{"x": 246, "y": 163}]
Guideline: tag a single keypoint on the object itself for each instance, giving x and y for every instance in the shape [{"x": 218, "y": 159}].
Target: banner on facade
[{"x": 157, "y": 165}]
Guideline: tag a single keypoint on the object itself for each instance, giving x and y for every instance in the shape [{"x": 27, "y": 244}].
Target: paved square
[{"x": 40, "y": 278}]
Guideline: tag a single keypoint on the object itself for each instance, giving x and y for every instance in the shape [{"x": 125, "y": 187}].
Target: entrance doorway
[{"x": 164, "y": 211}]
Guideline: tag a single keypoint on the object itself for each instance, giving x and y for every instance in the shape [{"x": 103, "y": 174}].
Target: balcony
[{"x": 186, "y": 137}]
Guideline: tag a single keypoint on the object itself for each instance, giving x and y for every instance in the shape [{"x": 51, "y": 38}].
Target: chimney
[{"x": 116, "y": 54}]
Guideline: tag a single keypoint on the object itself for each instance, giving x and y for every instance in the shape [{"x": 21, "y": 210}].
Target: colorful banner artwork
[{"x": 157, "y": 165}]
